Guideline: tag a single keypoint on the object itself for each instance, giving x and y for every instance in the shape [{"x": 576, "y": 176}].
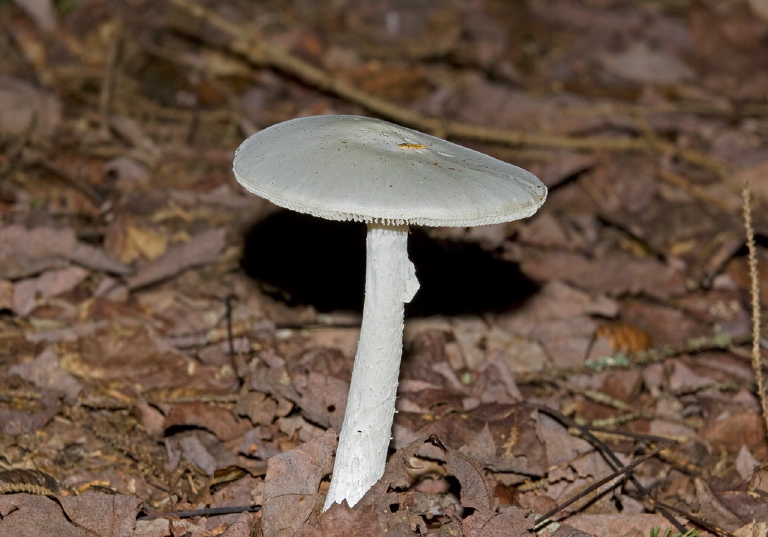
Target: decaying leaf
[
  {"x": 343, "y": 521},
  {"x": 201, "y": 249},
  {"x": 25, "y": 108},
  {"x": 488, "y": 523},
  {"x": 102, "y": 514},
  {"x": 99, "y": 515},
  {"x": 27, "y": 252},
  {"x": 216, "y": 419},
  {"x": 639, "y": 63},
  {"x": 291, "y": 489},
  {"x": 27, "y": 292}
]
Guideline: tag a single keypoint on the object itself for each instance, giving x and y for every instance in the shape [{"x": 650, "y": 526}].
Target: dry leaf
[
  {"x": 640, "y": 64},
  {"x": 103, "y": 515},
  {"x": 6, "y": 294},
  {"x": 40, "y": 11},
  {"x": 27, "y": 109},
  {"x": 26, "y": 252},
  {"x": 611, "y": 273},
  {"x": 45, "y": 372},
  {"x": 624, "y": 524},
  {"x": 488, "y": 523},
  {"x": 291, "y": 490},
  {"x": 25, "y": 515},
  {"x": 343, "y": 521},
  {"x": 50, "y": 283},
  {"x": 201, "y": 249},
  {"x": 753, "y": 529},
  {"x": 218, "y": 420}
]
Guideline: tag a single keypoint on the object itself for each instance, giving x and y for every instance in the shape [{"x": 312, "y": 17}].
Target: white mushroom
[{"x": 368, "y": 170}]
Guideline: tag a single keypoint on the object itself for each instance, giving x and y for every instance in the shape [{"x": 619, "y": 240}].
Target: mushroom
[{"x": 388, "y": 176}]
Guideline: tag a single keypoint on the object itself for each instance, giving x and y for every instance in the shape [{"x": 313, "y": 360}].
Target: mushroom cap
[{"x": 369, "y": 170}]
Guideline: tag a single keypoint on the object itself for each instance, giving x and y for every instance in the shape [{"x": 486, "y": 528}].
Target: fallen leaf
[
  {"x": 26, "y": 515},
  {"x": 128, "y": 173},
  {"x": 244, "y": 526},
  {"x": 730, "y": 431},
  {"x": 40, "y": 11},
  {"x": 729, "y": 34},
  {"x": 342, "y": 521},
  {"x": 713, "y": 510},
  {"x": 33, "y": 418},
  {"x": 27, "y": 252},
  {"x": 494, "y": 382},
  {"x": 746, "y": 463},
  {"x": 624, "y": 524},
  {"x": 259, "y": 443},
  {"x": 566, "y": 341},
  {"x": 201, "y": 249},
  {"x": 257, "y": 406},
  {"x": 494, "y": 104},
  {"x": 609, "y": 273},
  {"x": 323, "y": 399},
  {"x": 556, "y": 300},
  {"x": 753, "y": 529},
  {"x": 45, "y": 372},
  {"x": 218, "y": 420},
  {"x": 488, "y": 523},
  {"x": 641, "y": 64},
  {"x": 667, "y": 323},
  {"x": 291, "y": 486},
  {"x": 517, "y": 445},
  {"x": 135, "y": 241},
  {"x": 27, "y": 109},
  {"x": 476, "y": 492},
  {"x": 561, "y": 166},
  {"x": 195, "y": 450},
  {"x": 6, "y": 294},
  {"x": 107, "y": 515},
  {"x": 48, "y": 284}
]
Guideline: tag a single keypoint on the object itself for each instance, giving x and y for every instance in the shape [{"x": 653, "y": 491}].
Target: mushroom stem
[{"x": 390, "y": 282}]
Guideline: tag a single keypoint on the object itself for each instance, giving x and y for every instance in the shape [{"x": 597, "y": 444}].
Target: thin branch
[
  {"x": 609, "y": 456},
  {"x": 637, "y": 359},
  {"x": 622, "y": 472},
  {"x": 207, "y": 512}
]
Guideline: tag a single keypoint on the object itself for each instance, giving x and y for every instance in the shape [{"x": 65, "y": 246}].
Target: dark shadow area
[{"x": 306, "y": 260}]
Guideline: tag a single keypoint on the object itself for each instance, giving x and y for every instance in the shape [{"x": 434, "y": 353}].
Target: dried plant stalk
[{"x": 755, "y": 292}]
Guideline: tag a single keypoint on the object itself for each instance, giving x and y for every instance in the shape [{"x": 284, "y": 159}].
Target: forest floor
[{"x": 171, "y": 345}]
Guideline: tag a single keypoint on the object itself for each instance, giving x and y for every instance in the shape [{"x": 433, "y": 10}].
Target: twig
[
  {"x": 697, "y": 521},
  {"x": 696, "y": 191},
  {"x": 609, "y": 456},
  {"x": 108, "y": 78},
  {"x": 755, "y": 292},
  {"x": 210, "y": 511},
  {"x": 635, "y": 359},
  {"x": 594, "y": 486},
  {"x": 229, "y": 302}
]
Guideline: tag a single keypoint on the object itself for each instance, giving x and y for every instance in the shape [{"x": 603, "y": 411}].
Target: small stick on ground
[
  {"x": 610, "y": 457},
  {"x": 755, "y": 292},
  {"x": 621, "y": 472}
]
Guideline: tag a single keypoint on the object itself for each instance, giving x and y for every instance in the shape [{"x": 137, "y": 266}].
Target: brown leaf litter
[{"x": 146, "y": 380}]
